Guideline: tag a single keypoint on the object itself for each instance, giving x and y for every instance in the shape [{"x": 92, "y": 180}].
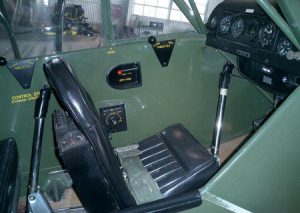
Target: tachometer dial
[
  {"x": 237, "y": 27},
  {"x": 267, "y": 34},
  {"x": 283, "y": 47},
  {"x": 225, "y": 24}
]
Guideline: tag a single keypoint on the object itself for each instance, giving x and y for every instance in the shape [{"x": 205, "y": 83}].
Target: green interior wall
[
  {"x": 263, "y": 176},
  {"x": 185, "y": 91}
]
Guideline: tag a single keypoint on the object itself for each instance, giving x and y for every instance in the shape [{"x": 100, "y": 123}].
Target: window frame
[{"x": 171, "y": 5}]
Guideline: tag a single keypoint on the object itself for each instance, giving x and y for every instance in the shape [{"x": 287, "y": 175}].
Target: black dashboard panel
[
  {"x": 242, "y": 28},
  {"x": 273, "y": 80}
]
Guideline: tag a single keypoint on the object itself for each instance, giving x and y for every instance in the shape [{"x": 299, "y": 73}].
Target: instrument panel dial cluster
[
  {"x": 250, "y": 29},
  {"x": 265, "y": 55},
  {"x": 253, "y": 30}
]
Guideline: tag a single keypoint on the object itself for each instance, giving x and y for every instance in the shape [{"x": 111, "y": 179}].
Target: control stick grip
[
  {"x": 42, "y": 102},
  {"x": 224, "y": 78}
]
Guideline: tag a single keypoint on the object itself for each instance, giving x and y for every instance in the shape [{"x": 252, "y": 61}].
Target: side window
[
  {"x": 210, "y": 7},
  {"x": 41, "y": 28},
  {"x": 139, "y": 18}
]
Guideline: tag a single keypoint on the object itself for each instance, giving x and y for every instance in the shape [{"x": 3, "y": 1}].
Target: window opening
[
  {"x": 36, "y": 26},
  {"x": 143, "y": 18}
]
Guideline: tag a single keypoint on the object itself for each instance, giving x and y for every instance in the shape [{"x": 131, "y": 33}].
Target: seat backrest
[{"x": 80, "y": 107}]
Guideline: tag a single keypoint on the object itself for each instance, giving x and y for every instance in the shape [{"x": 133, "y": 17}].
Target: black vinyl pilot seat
[{"x": 157, "y": 171}]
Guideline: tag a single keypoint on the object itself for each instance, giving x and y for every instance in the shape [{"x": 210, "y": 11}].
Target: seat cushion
[{"x": 176, "y": 160}]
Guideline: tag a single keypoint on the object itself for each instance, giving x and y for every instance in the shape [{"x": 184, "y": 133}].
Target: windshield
[
  {"x": 39, "y": 29},
  {"x": 45, "y": 27}
]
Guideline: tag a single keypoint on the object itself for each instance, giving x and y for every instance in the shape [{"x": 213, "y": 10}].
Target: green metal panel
[
  {"x": 188, "y": 13},
  {"x": 60, "y": 26},
  {"x": 197, "y": 15},
  {"x": 264, "y": 176},
  {"x": 185, "y": 91},
  {"x": 290, "y": 10},
  {"x": 106, "y": 16},
  {"x": 208, "y": 207}
]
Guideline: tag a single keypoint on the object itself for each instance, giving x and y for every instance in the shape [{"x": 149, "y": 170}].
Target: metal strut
[
  {"x": 224, "y": 80},
  {"x": 36, "y": 201}
]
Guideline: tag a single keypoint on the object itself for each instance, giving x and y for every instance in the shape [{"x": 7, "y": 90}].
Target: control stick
[
  {"x": 36, "y": 201},
  {"x": 224, "y": 81}
]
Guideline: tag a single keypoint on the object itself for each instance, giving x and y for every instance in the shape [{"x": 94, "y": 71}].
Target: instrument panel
[
  {"x": 253, "y": 30},
  {"x": 242, "y": 28}
]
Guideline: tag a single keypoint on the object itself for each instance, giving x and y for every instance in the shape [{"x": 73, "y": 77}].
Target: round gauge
[
  {"x": 237, "y": 27},
  {"x": 267, "y": 34},
  {"x": 283, "y": 47},
  {"x": 252, "y": 29},
  {"x": 225, "y": 24}
]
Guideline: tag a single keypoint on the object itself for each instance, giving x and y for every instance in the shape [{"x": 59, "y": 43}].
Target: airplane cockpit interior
[{"x": 135, "y": 106}]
